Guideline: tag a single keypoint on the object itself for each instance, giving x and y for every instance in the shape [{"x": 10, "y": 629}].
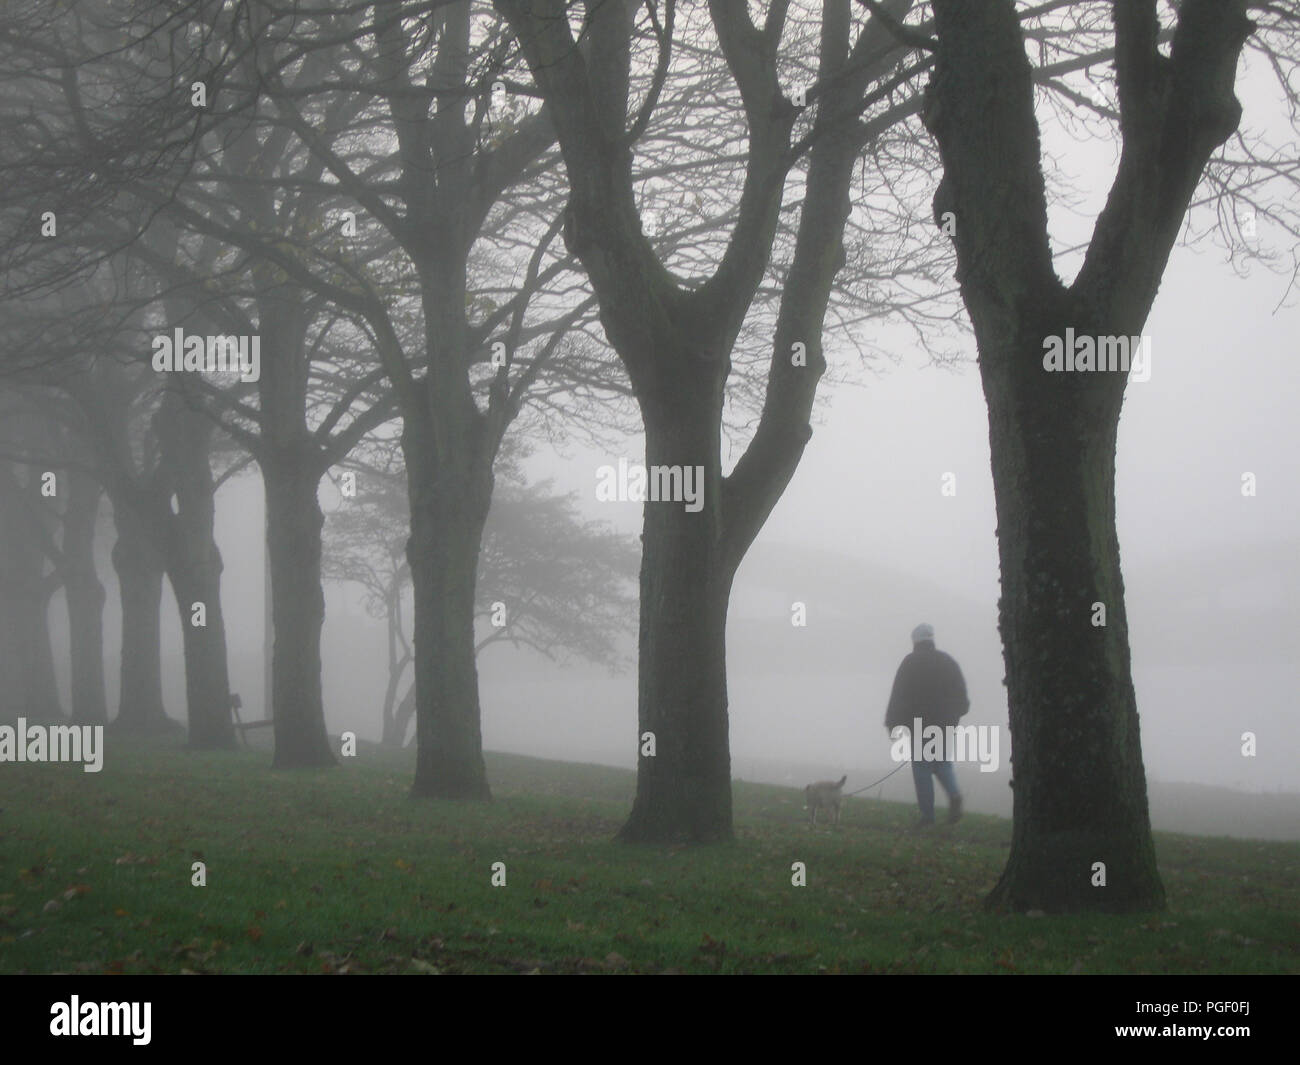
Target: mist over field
[{"x": 865, "y": 539}]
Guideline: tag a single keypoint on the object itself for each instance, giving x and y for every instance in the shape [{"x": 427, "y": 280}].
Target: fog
[
  {"x": 865, "y": 539},
  {"x": 867, "y": 542}
]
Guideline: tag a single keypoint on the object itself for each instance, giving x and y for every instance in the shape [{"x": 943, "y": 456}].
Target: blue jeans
[{"x": 921, "y": 774}]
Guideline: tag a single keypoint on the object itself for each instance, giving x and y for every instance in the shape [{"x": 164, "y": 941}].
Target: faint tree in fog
[{"x": 557, "y": 584}]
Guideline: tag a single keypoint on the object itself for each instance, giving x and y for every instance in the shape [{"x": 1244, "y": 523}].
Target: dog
[{"x": 827, "y": 793}]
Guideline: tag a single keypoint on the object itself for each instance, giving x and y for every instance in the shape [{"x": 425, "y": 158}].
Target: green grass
[{"x": 340, "y": 871}]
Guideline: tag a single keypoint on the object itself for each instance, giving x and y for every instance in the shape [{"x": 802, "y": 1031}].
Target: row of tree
[{"x": 439, "y": 217}]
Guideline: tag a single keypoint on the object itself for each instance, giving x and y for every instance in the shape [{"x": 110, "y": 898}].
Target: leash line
[{"x": 881, "y": 780}]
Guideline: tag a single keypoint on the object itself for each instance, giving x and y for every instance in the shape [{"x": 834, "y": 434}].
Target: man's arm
[
  {"x": 900, "y": 700},
  {"x": 960, "y": 700}
]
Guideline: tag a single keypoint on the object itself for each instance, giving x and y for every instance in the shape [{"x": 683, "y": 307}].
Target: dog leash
[{"x": 881, "y": 780}]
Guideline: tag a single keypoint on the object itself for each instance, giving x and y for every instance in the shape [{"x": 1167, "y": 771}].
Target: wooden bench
[{"x": 242, "y": 727}]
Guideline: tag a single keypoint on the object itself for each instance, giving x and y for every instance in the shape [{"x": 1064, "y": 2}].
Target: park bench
[{"x": 242, "y": 727}]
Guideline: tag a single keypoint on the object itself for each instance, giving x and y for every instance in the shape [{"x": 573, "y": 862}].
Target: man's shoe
[
  {"x": 954, "y": 810},
  {"x": 923, "y": 825}
]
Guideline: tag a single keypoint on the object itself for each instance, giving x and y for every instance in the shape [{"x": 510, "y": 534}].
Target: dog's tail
[{"x": 843, "y": 779}]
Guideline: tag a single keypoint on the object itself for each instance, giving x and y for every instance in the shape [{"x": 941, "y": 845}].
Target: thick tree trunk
[
  {"x": 449, "y": 506},
  {"x": 85, "y": 595},
  {"x": 196, "y": 578},
  {"x": 293, "y": 532},
  {"x": 1082, "y": 836},
  {"x": 684, "y": 789},
  {"x": 139, "y": 570},
  {"x": 13, "y": 694},
  {"x": 30, "y": 687},
  {"x": 194, "y": 568}
]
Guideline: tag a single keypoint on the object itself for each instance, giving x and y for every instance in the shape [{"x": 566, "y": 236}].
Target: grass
[{"x": 340, "y": 871}]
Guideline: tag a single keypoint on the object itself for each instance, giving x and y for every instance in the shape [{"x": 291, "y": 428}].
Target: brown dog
[{"x": 825, "y": 793}]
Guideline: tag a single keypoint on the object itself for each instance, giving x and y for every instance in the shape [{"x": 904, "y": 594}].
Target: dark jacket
[{"x": 928, "y": 685}]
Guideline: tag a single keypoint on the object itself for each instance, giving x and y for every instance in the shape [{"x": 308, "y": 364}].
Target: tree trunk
[
  {"x": 139, "y": 570},
  {"x": 194, "y": 567},
  {"x": 293, "y": 533},
  {"x": 197, "y": 579},
  {"x": 43, "y": 689},
  {"x": 268, "y": 633},
  {"x": 401, "y": 720},
  {"x": 1080, "y": 794},
  {"x": 449, "y": 505},
  {"x": 1082, "y": 836},
  {"x": 29, "y": 688},
  {"x": 392, "y": 735},
  {"x": 684, "y": 789},
  {"x": 85, "y": 595}
]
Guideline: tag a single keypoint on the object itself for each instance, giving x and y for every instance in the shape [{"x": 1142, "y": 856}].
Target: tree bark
[
  {"x": 31, "y": 690},
  {"x": 1082, "y": 837},
  {"x": 194, "y": 568},
  {"x": 139, "y": 570},
  {"x": 449, "y": 505},
  {"x": 196, "y": 578},
  {"x": 684, "y": 790},
  {"x": 293, "y": 533},
  {"x": 85, "y": 596},
  {"x": 1080, "y": 795}
]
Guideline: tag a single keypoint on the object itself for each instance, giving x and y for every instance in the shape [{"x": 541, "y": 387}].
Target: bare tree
[
  {"x": 676, "y": 335},
  {"x": 1081, "y": 817}
]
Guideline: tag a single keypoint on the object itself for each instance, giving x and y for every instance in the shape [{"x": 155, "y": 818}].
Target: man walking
[{"x": 929, "y": 690}]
